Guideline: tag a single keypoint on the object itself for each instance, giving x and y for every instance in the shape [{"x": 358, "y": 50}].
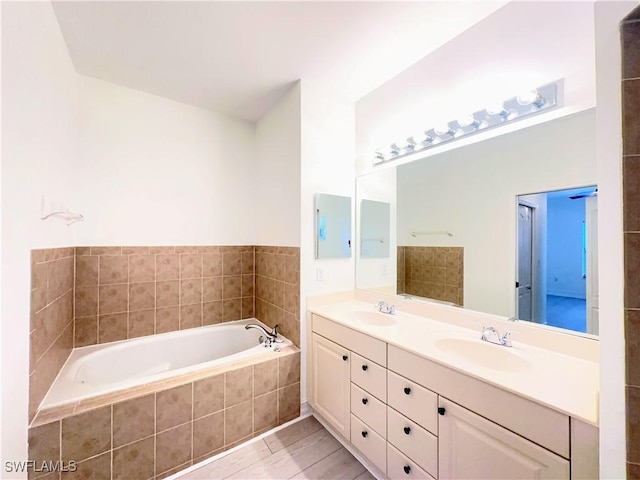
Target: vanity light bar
[{"x": 516, "y": 108}]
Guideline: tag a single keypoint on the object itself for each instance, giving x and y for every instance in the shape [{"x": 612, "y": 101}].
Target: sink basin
[
  {"x": 485, "y": 354},
  {"x": 372, "y": 318}
]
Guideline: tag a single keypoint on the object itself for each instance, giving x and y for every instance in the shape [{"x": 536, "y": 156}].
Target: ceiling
[{"x": 239, "y": 58}]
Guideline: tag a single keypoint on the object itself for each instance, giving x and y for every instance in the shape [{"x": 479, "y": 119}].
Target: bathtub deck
[{"x": 304, "y": 450}]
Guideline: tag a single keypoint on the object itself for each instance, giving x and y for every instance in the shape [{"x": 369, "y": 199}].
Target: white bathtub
[{"x": 98, "y": 369}]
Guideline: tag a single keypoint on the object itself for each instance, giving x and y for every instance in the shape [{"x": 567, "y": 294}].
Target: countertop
[{"x": 565, "y": 383}]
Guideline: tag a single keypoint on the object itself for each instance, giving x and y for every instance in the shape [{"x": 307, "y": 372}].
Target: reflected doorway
[{"x": 556, "y": 278}]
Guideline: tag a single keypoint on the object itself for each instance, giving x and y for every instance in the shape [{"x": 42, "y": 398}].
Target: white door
[
  {"x": 525, "y": 262},
  {"x": 591, "y": 225},
  {"x": 471, "y": 447},
  {"x": 331, "y": 391}
]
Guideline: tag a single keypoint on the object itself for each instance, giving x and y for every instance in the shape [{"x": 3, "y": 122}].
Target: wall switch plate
[{"x": 319, "y": 275}]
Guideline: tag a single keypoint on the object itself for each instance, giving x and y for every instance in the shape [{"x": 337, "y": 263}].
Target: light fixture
[{"x": 528, "y": 103}]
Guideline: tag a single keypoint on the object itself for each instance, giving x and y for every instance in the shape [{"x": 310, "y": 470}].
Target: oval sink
[
  {"x": 485, "y": 354},
  {"x": 375, "y": 319}
]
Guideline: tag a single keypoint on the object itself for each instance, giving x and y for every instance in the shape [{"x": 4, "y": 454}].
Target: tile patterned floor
[{"x": 304, "y": 450}]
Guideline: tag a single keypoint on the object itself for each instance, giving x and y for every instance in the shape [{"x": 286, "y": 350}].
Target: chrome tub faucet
[{"x": 269, "y": 336}]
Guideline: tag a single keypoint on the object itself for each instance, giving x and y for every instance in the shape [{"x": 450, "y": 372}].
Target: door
[
  {"x": 471, "y": 447},
  {"x": 331, "y": 384},
  {"x": 525, "y": 262},
  {"x": 591, "y": 225}
]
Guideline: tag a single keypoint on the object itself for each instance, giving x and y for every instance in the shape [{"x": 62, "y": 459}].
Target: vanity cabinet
[
  {"x": 473, "y": 447},
  {"x": 414, "y": 418}
]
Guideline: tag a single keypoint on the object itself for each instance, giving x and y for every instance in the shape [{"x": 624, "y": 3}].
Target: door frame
[{"x": 534, "y": 208}]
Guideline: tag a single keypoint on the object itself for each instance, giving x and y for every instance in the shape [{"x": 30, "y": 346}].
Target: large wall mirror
[{"x": 456, "y": 233}]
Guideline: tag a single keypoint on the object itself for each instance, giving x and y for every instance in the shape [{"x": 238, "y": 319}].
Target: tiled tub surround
[
  {"x": 630, "y": 31},
  {"x": 156, "y": 430},
  {"x": 433, "y": 272},
  {"x": 51, "y": 329},
  {"x": 127, "y": 292}
]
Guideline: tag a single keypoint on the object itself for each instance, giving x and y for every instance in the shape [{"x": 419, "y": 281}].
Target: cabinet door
[
  {"x": 331, "y": 384},
  {"x": 471, "y": 447}
]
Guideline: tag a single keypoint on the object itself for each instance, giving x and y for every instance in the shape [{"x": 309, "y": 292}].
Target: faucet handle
[
  {"x": 274, "y": 330},
  {"x": 506, "y": 338}
]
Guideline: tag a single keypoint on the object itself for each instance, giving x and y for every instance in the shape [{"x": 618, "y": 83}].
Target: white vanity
[{"x": 420, "y": 398}]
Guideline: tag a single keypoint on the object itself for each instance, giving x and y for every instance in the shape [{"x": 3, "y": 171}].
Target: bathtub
[{"x": 100, "y": 369}]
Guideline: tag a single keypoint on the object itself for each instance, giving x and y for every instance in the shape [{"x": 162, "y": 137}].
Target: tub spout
[{"x": 270, "y": 336}]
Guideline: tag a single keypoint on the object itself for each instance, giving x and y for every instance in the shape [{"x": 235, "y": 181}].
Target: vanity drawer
[
  {"x": 413, "y": 441},
  {"x": 372, "y": 445},
  {"x": 413, "y": 401},
  {"x": 369, "y": 409},
  {"x": 369, "y": 375},
  {"x": 400, "y": 466}
]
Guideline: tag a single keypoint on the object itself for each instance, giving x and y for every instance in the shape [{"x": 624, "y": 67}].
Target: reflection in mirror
[
  {"x": 332, "y": 226},
  {"x": 374, "y": 229},
  {"x": 557, "y": 281},
  {"x": 453, "y": 213}
]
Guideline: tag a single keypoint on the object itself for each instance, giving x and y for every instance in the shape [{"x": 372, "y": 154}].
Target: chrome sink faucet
[
  {"x": 385, "y": 307},
  {"x": 491, "y": 335}
]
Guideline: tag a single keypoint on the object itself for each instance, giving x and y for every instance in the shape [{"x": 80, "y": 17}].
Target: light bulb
[
  {"x": 468, "y": 121},
  {"x": 497, "y": 109},
  {"x": 530, "y": 97},
  {"x": 443, "y": 129}
]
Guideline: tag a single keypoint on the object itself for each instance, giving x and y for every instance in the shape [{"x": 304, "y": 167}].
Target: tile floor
[{"x": 303, "y": 450}]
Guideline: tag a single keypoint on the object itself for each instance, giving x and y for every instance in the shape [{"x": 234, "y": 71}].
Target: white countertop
[{"x": 565, "y": 383}]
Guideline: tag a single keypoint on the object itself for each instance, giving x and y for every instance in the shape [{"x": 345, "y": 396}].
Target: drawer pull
[
  {"x": 365, "y": 368},
  {"x": 407, "y": 390},
  {"x": 345, "y": 358},
  {"x": 406, "y": 469},
  {"x": 365, "y": 433},
  {"x": 365, "y": 401},
  {"x": 441, "y": 410},
  {"x": 407, "y": 430}
]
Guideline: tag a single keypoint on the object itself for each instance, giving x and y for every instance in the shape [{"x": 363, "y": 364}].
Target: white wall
[
  {"x": 522, "y": 45},
  {"x": 276, "y": 170},
  {"x": 153, "y": 171},
  {"x": 610, "y": 245},
  {"x": 471, "y": 192},
  {"x": 328, "y": 150},
  {"x": 39, "y": 139}
]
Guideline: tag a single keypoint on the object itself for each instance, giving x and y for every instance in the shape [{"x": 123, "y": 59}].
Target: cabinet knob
[
  {"x": 365, "y": 367},
  {"x": 407, "y": 430},
  {"x": 407, "y": 390},
  {"x": 365, "y": 401},
  {"x": 441, "y": 410},
  {"x": 345, "y": 358},
  {"x": 406, "y": 469},
  {"x": 365, "y": 433}
]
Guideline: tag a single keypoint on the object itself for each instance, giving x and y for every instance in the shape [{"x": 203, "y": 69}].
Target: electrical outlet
[{"x": 319, "y": 275}]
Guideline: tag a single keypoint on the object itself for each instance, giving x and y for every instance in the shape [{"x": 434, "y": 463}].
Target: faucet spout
[{"x": 269, "y": 336}]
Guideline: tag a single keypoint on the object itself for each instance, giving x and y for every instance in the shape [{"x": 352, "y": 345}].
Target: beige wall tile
[
  {"x": 86, "y": 270},
  {"x": 133, "y": 420},
  {"x": 142, "y": 323},
  {"x": 167, "y": 319},
  {"x": 231, "y": 286},
  {"x": 59, "y": 278},
  {"x": 231, "y": 309},
  {"x": 238, "y": 386},
  {"x": 238, "y": 422},
  {"x": 247, "y": 263},
  {"x": 96, "y": 468},
  {"x": 87, "y": 434},
  {"x": 44, "y": 442},
  {"x": 173, "y": 407},
  {"x": 212, "y": 289},
  {"x": 190, "y": 291},
  {"x": 142, "y": 268},
  {"x": 278, "y": 294},
  {"x": 112, "y": 328},
  {"x": 191, "y": 265},
  {"x": 248, "y": 285},
  {"x": 86, "y": 301},
  {"x": 134, "y": 461},
  {"x": 85, "y": 331},
  {"x": 231, "y": 263},
  {"x": 114, "y": 269},
  {"x": 106, "y": 251},
  {"x": 142, "y": 296},
  {"x": 113, "y": 298},
  {"x": 161, "y": 250},
  {"x": 265, "y": 378},
  {"x": 135, "y": 250},
  {"x": 211, "y": 313},
  {"x": 208, "y": 396},
  {"x": 173, "y": 448},
  {"x": 167, "y": 294},
  {"x": 212, "y": 265},
  {"x": 288, "y": 403},
  {"x": 167, "y": 267},
  {"x": 248, "y": 307},
  {"x": 190, "y": 316},
  {"x": 265, "y": 411},
  {"x": 288, "y": 369},
  {"x": 208, "y": 434},
  {"x": 186, "y": 249}
]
